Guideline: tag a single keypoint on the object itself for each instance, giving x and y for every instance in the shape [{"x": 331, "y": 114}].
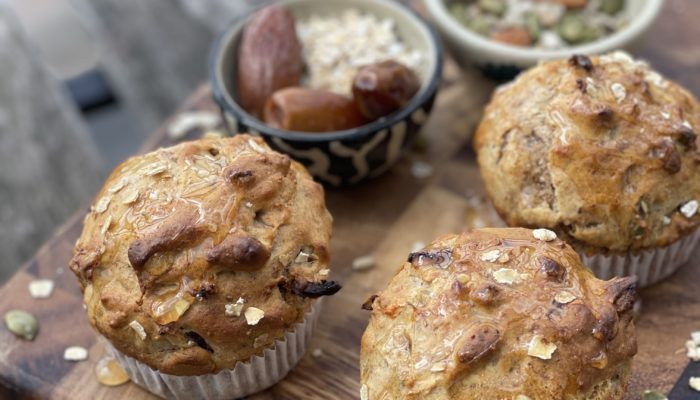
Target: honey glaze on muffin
[
  {"x": 496, "y": 314},
  {"x": 603, "y": 150},
  {"x": 201, "y": 255}
]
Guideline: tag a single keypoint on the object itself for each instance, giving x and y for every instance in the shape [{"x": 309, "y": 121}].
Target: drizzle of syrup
[{"x": 110, "y": 373}]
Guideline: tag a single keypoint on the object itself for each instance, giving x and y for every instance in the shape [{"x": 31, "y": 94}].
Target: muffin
[
  {"x": 603, "y": 151},
  {"x": 200, "y": 264},
  {"x": 504, "y": 313}
]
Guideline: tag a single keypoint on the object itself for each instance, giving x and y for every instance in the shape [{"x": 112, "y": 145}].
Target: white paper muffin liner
[
  {"x": 649, "y": 266},
  {"x": 254, "y": 375}
]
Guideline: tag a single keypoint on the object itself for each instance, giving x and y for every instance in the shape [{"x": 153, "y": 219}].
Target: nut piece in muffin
[
  {"x": 602, "y": 150},
  {"x": 498, "y": 314},
  {"x": 201, "y": 255}
]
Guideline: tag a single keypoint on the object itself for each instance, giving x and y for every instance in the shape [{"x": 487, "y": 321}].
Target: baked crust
[
  {"x": 459, "y": 319},
  {"x": 601, "y": 150},
  {"x": 178, "y": 234}
]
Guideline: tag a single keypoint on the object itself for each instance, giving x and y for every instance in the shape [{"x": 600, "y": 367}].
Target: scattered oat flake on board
[
  {"x": 564, "y": 297},
  {"x": 693, "y": 353},
  {"x": 41, "y": 288},
  {"x": 696, "y": 337},
  {"x": 694, "y": 383},
  {"x": 363, "y": 263},
  {"x": 189, "y": 121},
  {"x": 317, "y": 353},
  {"x": 540, "y": 348},
  {"x": 544, "y": 234},
  {"x": 421, "y": 169},
  {"x": 253, "y": 315},
  {"x": 490, "y": 256},
  {"x": 690, "y": 208},
  {"x": 508, "y": 276},
  {"x": 234, "y": 309},
  {"x": 522, "y": 397},
  {"x": 138, "y": 328},
  {"x": 75, "y": 353}
]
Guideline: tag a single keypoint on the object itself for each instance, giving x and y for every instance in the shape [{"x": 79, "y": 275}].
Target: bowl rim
[
  {"x": 226, "y": 101},
  {"x": 442, "y": 18}
]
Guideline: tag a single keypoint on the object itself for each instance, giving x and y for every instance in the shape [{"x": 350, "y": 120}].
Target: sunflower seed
[
  {"x": 75, "y": 353},
  {"x": 41, "y": 288}
]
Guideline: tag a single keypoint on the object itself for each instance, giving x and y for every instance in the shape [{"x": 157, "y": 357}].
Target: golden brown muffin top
[
  {"x": 496, "y": 314},
  {"x": 602, "y": 150},
  {"x": 198, "y": 256}
]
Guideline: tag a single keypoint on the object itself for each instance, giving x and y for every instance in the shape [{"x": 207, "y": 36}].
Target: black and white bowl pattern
[
  {"x": 343, "y": 157},
  {"x": 349, "y": 160}
]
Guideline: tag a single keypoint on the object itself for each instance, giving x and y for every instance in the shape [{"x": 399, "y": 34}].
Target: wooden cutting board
[{"x": 384, "y": 218}]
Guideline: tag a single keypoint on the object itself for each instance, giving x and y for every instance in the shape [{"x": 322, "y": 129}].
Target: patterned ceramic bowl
[{"x": 340, "y": 157}]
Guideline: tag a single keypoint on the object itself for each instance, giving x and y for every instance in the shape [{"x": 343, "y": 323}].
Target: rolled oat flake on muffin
[{"x": 540, "y": 348}]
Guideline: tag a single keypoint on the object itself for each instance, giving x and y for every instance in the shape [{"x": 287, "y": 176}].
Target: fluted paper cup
[
  {"x": 254, "y": 375},
  {"x": 649, "y": 266}
]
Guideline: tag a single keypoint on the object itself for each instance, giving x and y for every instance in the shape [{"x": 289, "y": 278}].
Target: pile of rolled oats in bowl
[{"x": 335, "y": 47}]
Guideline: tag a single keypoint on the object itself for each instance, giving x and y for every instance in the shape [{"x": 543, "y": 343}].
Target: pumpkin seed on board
[
  {"x": 22, "y": 324},
  {"x": 652, "y": 395}
]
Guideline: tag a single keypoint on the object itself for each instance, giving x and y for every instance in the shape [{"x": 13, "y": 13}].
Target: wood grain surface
[
  {"x": 384, "y": 218},
  {"x": 48, "y": 162}
]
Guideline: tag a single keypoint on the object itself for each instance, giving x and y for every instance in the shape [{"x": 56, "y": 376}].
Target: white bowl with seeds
[{"x": 502, "y": 60}]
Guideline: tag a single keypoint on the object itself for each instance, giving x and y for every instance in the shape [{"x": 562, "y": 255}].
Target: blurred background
[{"x": 83, "y": 83}]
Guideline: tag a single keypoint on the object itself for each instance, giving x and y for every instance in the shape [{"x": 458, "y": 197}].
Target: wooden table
[{"x": 383, "y": 217}]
